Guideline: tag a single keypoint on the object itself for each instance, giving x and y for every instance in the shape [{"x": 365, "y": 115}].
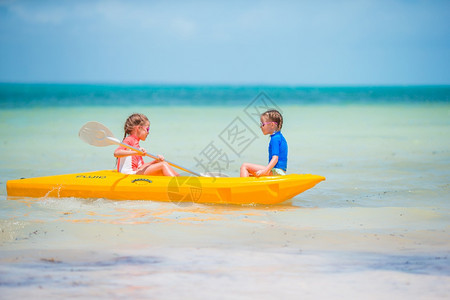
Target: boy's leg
[{"x": 248, "y": 168}]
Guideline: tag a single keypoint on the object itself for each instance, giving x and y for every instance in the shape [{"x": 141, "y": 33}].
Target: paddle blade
[{"x": 97, "y": 134}]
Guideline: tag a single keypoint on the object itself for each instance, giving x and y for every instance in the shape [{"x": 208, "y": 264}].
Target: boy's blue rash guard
[{"x": 278, "y": 146}]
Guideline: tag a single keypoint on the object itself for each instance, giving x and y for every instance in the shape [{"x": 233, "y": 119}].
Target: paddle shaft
[{"x": 116, "y": 141}]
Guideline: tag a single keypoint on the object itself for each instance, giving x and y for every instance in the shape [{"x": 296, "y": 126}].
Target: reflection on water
[{"x": 241, "y": 273}]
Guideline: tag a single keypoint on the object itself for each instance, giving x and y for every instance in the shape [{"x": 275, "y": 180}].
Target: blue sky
[{"x": 226, "y": 42}]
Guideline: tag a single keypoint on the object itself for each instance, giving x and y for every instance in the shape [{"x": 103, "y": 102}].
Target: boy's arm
[{"x": 270, "y": 166}]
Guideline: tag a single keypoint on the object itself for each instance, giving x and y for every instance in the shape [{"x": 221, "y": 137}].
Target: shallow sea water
[{"x": 378, "y": 227}]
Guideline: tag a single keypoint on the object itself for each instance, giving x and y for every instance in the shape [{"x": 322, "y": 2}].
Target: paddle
[{"x": 99, "y": 135}]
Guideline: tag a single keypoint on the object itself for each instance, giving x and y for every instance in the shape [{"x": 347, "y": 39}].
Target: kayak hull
[{"x": 117, "y": 186}]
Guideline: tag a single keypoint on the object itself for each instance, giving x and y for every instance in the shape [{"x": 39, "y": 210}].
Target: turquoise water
[
  {"x": 61, "y": 95},
  {"x": 378, "y": 227}
]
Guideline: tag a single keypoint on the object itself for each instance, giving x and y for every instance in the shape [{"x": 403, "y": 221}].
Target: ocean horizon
[{"x": 18, "y": 95}]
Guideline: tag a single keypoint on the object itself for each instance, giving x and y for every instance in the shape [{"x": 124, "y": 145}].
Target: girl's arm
[
  {"x": 160, "y": 159},
  {"x": 266, "y": 170},
  {"x": 121, "y": 152}
]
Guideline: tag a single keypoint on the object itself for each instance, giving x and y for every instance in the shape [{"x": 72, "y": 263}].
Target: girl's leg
[
  {"x": 161, "y": 168},
  {"x": 247, "y": 169},
  {"x": 168, "y": 170}
]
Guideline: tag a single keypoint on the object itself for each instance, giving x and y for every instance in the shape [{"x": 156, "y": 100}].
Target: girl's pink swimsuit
[{"x": 130, "y": 164}]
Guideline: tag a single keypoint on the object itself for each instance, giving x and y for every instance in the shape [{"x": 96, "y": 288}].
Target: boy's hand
[{"x": 260, "y": 173}]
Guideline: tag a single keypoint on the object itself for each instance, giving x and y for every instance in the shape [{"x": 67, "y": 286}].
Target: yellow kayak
[{"x": 117, "y": 186}]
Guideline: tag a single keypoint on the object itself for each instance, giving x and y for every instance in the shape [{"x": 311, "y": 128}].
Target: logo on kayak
[
  {"x": 184, "y": 190},
  {"x": 91, "y": 176}
]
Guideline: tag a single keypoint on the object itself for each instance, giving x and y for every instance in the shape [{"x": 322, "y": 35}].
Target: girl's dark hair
[
  {"x": 274, "y": 116},
  {"x": 132, "y": 121}
]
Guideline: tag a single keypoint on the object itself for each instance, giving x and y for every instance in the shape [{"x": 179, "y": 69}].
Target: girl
[
  {"x": 271, "y": 123},
  {"x": 137, "y": 127}
]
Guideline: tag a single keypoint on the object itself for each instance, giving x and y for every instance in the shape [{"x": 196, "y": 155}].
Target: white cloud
[{"x": 35, "y": 13}]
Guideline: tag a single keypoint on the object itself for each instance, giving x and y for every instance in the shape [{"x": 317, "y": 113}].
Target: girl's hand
[
  {"x": 143, "y": 152},
  {"x": 160, "y": 158}
]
